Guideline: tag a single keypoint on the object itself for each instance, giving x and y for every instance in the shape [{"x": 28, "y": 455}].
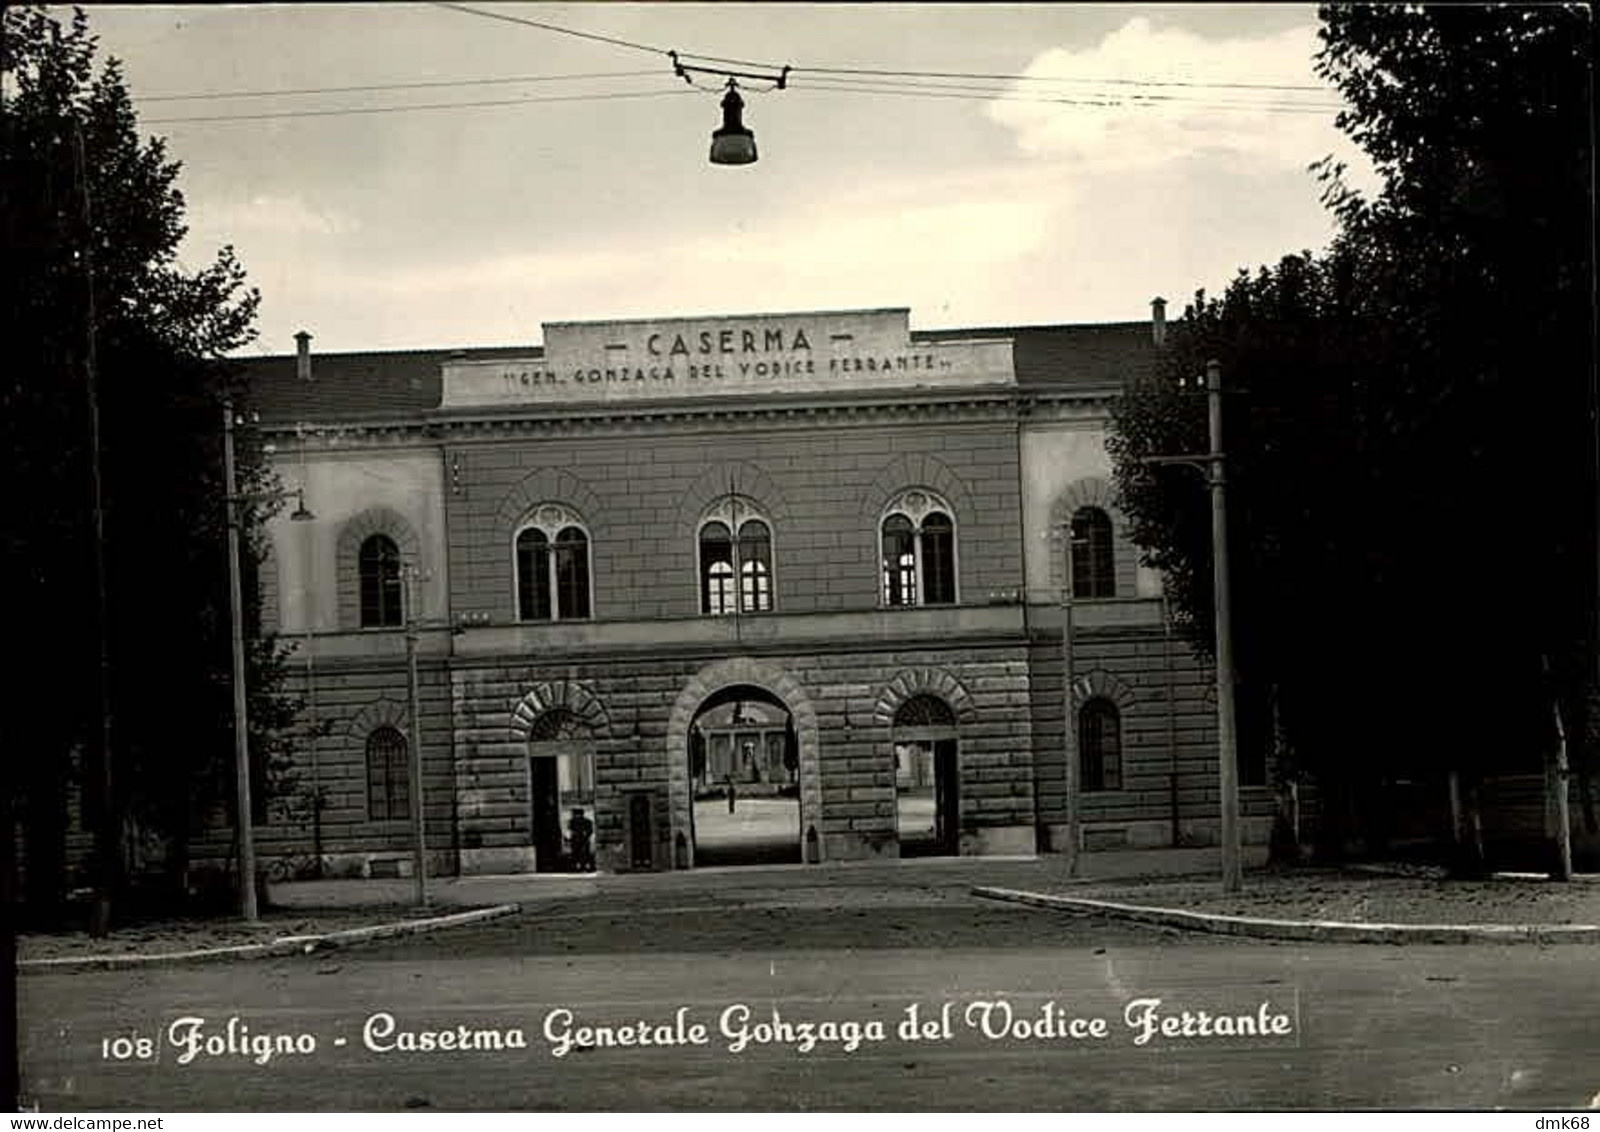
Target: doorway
[
  {"x": 927, "y": 779},
  {"x": 744, "y": 772},
  {"x": 561, "y": 792}
]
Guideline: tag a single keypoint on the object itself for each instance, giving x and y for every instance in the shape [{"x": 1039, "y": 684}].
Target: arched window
[
  {"x": 735, "y": 570},
  {"x": 533, "y": 570},
  {"x": 918, "y": 550},
  {"x": 1100, "y": 745},
  {"x": 572, "y": 573},
  {"x": 755, "y": 566},
  {"x": 716, "y": 568},
  {"x": 899, "y": 561},
  {"x": 552, "y": 550},
  {"x": 388, "y": 778},
  {"x": 378, "y": 565},
  {"x": 1093, "y": 570}
]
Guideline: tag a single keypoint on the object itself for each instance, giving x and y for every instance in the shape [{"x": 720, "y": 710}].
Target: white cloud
[{"x": 1141, "y": 126}]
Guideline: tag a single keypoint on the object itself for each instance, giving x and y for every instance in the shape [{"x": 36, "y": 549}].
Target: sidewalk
[{"x": 1357, "y": 905}]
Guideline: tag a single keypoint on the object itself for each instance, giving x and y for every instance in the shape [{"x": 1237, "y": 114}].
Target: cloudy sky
[{"x": 1122, "y": 151}]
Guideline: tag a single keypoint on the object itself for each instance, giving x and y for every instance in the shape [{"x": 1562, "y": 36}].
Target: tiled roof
[
  {"x": 1087, "y": 355},
  {"x": 404, "y": 384},
  {"x": 377, "y": 385}
]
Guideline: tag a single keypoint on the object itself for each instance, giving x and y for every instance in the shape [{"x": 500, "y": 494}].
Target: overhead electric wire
[
  {"x": 1131, "y": 101},
  {"x": 545, "y": 26},
  {"x": 870, "y": 72},
  {"x": 418, "y": 106},
  {"x": 552, "y": 27},
  {"x": 992, "y": 85},
  {"x": 850, "y": 80},
  {"x": 421, "y": 85},
  {"x": 907, "y": 91},
  {"x": 992, "y": 94},
  {"x": 873, "y": 72}
]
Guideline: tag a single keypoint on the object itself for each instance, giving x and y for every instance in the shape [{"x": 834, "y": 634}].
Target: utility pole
[
  {"x": 1557, "y": 772},
  {"x": 241, "y": 728},
  {"x": 1074, "y": 835},
  {"x": 108, "y": 827},
  {"x": 419, "y": 852},
  {"x": 1227, "y": 739}
]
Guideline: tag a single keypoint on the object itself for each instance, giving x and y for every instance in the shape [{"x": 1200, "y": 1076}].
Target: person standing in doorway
[{"x": 581, "y": 832}]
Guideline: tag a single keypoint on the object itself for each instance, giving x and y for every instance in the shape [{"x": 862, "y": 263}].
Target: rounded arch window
[
  {"x": 735, "y": 555},
  {"x": 553, "y": 565},
  {"x": 388, "y": 776},
  {"x": 917, "y": 549},
  {"x": 1100, "y": 745}
]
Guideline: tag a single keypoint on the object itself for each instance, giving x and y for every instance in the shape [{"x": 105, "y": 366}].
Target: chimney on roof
[
  {"x": 1158, "y": 321},
  {"x": 302, "y": 341}
]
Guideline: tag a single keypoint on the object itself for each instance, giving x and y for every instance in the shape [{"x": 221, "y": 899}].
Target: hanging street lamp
[{"x": 732, "y": 143}]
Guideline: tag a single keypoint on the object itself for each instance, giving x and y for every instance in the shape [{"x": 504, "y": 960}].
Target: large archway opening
[
  {"x": 744, "y": 772},
  {"x": 927, "y": 778}
]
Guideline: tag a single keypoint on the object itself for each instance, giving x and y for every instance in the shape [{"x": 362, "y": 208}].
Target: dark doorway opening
[
  {"x": 927, "y": 779},
  {"x": 641, "y": 836},
  {"x": 744, "y": 771},
  {"x": 547, "y": 848}
]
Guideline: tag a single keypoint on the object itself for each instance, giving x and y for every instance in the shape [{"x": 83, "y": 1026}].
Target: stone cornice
[
  {"x": 869, "y": 409},
  {"x": 861, "y": 647}
]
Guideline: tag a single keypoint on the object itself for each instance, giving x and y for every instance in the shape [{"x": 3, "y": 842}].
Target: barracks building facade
[{"x": 820, "y": 562}]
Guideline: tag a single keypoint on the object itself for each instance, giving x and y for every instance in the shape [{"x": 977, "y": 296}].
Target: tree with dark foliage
[
  {"x": 109, "y": 337},
  {"x": 1411, "y": 437}
]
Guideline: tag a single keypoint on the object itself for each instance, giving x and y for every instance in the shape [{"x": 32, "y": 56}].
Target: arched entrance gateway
[
  {"x": 744, "y": 770},
  {"x": 742, "y": 749}
]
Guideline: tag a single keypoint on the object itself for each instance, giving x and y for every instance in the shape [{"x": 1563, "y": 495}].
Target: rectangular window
[
  {"x": 533, "y": 582},
  {"x": 572, "y": 580},
  {"x": 939, "y": 570}
]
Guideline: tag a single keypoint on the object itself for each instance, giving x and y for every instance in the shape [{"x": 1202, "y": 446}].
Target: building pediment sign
[{"x": 660, "y": 359}]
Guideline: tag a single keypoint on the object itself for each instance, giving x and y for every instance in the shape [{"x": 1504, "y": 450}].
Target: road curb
[
  {"x": 1313, "y": 931},
  {"x": 282, "y": 946}
]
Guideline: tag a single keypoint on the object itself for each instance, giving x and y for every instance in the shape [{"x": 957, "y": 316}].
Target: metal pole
[
  {"x": 1069, "y": 716},
  {"x": 311, "y": 665},
  {"x": 419, "y": 851},
  {"x": 1227, "y": 740},
  {"x": 108, "y": 827},
  {"x": 1172, "y": 720},
  {"x": 1557, "y": 772},
  {"x": 311, "y": 710},
  {"x": 241, "y": 729}
]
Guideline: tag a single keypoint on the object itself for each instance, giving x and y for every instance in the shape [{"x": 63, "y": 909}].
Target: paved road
[{"x": 1421, "y": 1027}]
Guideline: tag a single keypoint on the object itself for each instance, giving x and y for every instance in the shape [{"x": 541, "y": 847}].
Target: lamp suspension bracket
[{"x": 685, "y": 70}]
